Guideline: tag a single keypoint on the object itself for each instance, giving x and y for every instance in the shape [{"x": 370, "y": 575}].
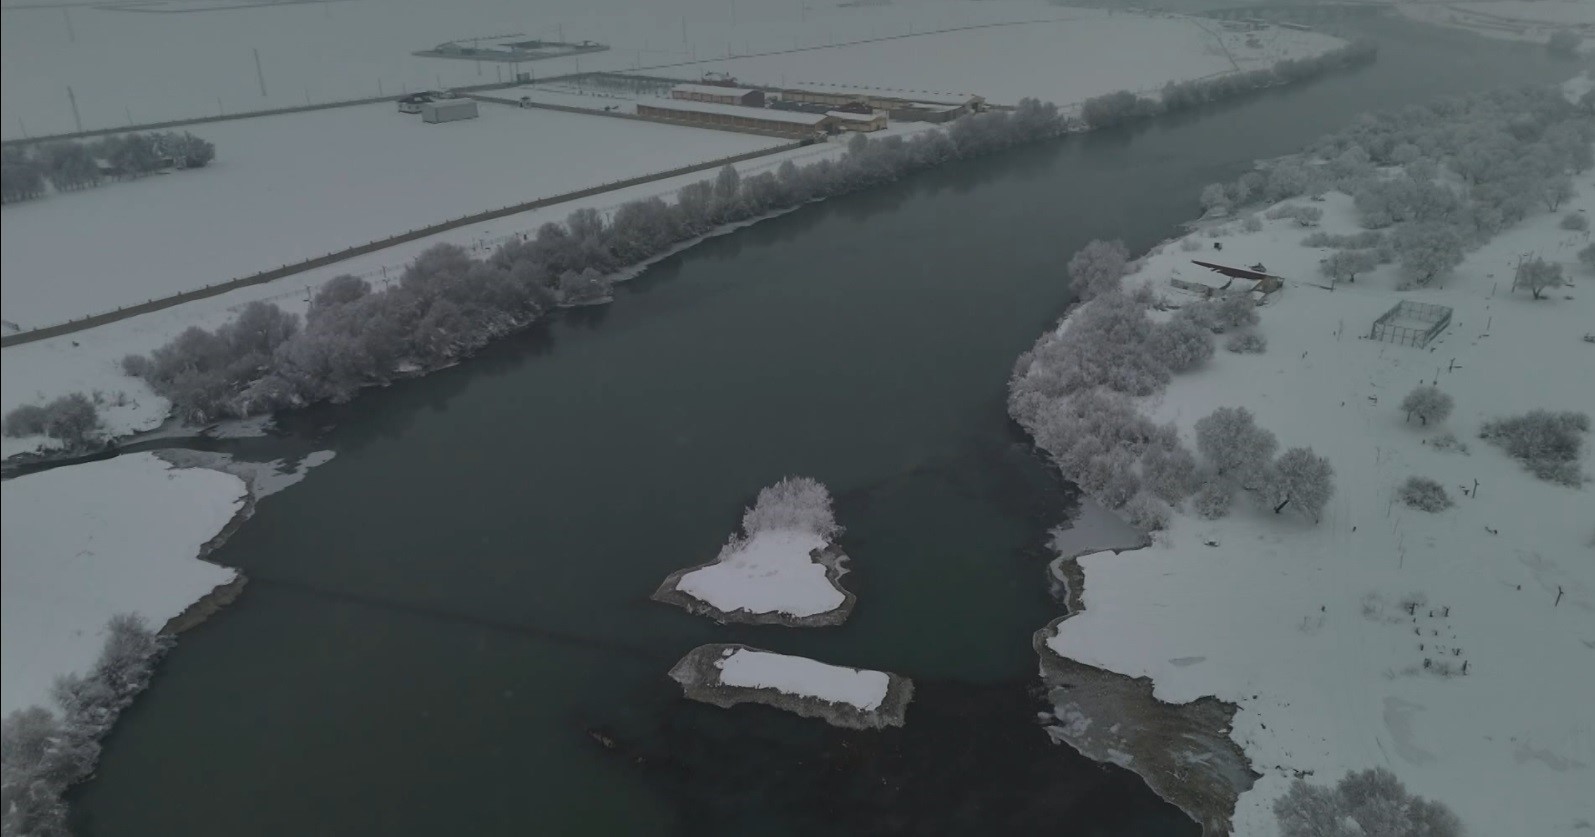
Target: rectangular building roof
[
  {"x": 856, "y": 117},
  {"x": 766, "y": 114},
  {"x": 712, "y": 90}
]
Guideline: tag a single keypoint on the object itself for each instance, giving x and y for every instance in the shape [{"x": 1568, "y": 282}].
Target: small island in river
[
  {"x": 726, "y": 675},
  {"x": 783, "y": 570}
]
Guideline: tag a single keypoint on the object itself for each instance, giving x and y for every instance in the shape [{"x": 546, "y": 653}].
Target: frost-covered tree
[
  {"x": 1299, "y": 478},
  {"x": 1233, "y": 444},
  {"x": 1427, "y": 250},
  {"x": 1370, "y": 802},
  {"x": 1219, "y": 315},
  {"x": 1555, "y": 191},
  {"x": 1344, "y": 265},
  {"x": 1537, "y": 275},
  {"x": 1212, "y": 500},
  {"x": 69, "y": 166},
  {"x": 1169, "y": 474},
  {"x": 1181, "y": 344},
  {"x": 73, "y": 419},
  {"x": 20, "y": 179},
  {"x": 1428, "y": 403},
  {"x": 1424, "y": 494},
  {"x": 1097, "y": 268},
  {"x": 1564, "y": 43},
  {"x": 1147, "y": 513},
  {"x": 799, "y": 503},
  {"x": 1575, "y": 221},
  {"x": 1215, "y": 199}
]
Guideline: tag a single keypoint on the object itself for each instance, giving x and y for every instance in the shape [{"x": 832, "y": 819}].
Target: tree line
[
  {"x": 1121, "y": 107},
  {"x": 69, "y": 165}
]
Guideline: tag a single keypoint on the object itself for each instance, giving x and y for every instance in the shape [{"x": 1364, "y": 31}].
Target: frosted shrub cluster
[
  {"x": 1097, "y": 269},
  {"x": 72, "y": 419},
  {"x": 1438, "y": 178},
  {"x": 797, "y": 503},
  {"x": 1370, "y": 802},
  {"x": 1124, "y": 106},
  {"x": 1246, "y": 343},
  {"x": 41, "y": 755},
  {"x": 447, "y": 304},
  {"x": 1220, "y": 315},
  {"x": 1424, "y": 494},
  {"x": 1547, "y": 443},
  {"x": 1304, "y": 216},
  {"x": 68, "y": 165}
]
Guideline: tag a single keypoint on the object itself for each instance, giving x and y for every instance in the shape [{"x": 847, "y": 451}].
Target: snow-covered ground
[
  {"x": 801, "y": 676},
  {"x": 86, "y": 542},
  {"x": 1065, "y": 61},
  {"x": 287, "y": 188},
  {"x": 771, "y": 572},
  {"x": 1303, "y": 626},
  {"x": 172, "y": 66},
  {"x": 1517, "y": 20}
]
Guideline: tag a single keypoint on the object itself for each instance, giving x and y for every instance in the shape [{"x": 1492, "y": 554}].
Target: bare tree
[{"x": 1537, "y": 275}]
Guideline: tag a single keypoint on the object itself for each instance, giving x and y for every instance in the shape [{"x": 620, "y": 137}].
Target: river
[{"x": 438, "y": 617}]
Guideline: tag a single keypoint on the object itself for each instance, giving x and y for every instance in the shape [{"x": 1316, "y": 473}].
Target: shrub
[
  {"x": 1575, "y": 221},
  {"x": 1190, "y": 245},
  {"x": 1213, "y": 499},
  {"x": 1547, "y": 443},
  {"x": 1304, "y": 216},
  {"x": 1252, "y": 223},
  {"x": 1448, "y": 442},
  {"x": 797, "y": 503},
  {"x": 1424, "y": 494},
  {"x": 1246, "y": 342},
  {"x": 1370, "y": 802},
  {"x": 1426, "y": 402}
]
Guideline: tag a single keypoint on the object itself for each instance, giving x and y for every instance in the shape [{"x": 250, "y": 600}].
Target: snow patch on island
[
  {"x": 783, "y": 572},
  {"x": 726, "y": 675}
]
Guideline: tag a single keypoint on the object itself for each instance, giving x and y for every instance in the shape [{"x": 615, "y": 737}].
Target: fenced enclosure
[{"x": 1411, "y": 323}]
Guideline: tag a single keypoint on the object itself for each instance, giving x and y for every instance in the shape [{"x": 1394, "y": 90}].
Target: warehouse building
[
  {"x": 862, "y": 122},
  {"x": 733, "y": 117},
  {"x": 715, "y": 94}
]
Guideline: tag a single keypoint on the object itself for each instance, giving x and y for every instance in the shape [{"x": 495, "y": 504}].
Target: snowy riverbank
[
  {"x": 726, "y": 675},
  {"x": 1381, "y": 634},
  {"x": 86, "y": 542}
]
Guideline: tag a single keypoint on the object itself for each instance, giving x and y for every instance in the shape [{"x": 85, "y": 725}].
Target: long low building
[
  {"x": 763, "y": 120},
  {"x": 903, "y": 110}
]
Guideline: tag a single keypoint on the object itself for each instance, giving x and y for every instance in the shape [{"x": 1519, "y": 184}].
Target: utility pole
[
  {"x": 260, "y": 75},
  {"x": 22, "y": 127},
  {"x": 70, "y": 34},
  {"x": 73, "y": 98}
]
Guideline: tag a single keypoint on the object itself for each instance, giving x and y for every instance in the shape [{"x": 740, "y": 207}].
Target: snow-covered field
[
  {"x": 1331, "y": 638},
  {"x": 771, "y": 572},
  {"x": 287, "y": 188},
  {"x": 172, "y": 66},
  {"x": 803, "y": 677},
  {"x": 1065, "y": 61},
  {"x": 86, "y": 542},
  {"x": 1518, "y": 20}
]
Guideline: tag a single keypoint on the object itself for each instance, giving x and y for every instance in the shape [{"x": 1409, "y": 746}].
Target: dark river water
[{"x": 437, "y": 618}]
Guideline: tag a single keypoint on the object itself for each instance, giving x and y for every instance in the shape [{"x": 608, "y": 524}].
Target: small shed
[{"x": 448, "y": 110}]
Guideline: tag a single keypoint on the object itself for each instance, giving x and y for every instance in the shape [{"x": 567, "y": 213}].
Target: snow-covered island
[
  {"x": 783, "y": 570},
  {"x": 726, "y": 675},
  {"x": 1409, "y": 586}
]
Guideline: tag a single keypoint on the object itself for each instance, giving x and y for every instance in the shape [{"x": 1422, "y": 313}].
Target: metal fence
[{"x": 1411, "y": 323}]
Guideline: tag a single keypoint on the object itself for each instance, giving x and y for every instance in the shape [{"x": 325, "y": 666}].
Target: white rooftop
[
  {"x": 712, "y": 90},
  {"x": 444, "y": 103},
  {"x": 766, "y": 114},
  {"x": 855, "y": 117}
]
